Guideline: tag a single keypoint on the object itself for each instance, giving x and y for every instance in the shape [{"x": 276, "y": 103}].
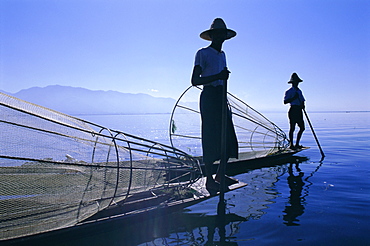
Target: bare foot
[
  {"x": 212, "y": 187},
  {"x": 228, "y": 180}
]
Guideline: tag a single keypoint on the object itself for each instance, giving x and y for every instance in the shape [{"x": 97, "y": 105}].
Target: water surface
[{"x": 312, "y": 202}]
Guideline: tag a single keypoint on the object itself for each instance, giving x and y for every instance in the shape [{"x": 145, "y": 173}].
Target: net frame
[
  {"x": 57, "y": 170},
  {"x": 257, "y": 135}
]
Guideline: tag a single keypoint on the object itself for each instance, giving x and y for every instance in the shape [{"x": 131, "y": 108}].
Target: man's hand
[{"x": 224, "y": 74}]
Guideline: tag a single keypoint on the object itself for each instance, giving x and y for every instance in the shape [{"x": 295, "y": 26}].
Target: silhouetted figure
[
  {"x": 210, "y": 70},
  {"x": 295, "y": 97},
  {"x": 296, "y": 208}
]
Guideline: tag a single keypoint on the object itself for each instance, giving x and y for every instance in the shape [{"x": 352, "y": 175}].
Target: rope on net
[{"x": 57, "y": 170}]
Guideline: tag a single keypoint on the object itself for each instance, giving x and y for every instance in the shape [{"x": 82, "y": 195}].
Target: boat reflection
[{"x": 179, "y": 228}]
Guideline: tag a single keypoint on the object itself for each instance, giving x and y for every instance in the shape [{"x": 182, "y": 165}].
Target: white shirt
[
  {"x": 291, "y": 93},
  {"x": 212, "y": 62}
]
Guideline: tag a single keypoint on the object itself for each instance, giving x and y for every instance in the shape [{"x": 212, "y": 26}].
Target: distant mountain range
[{"x": 75, "y": 100}]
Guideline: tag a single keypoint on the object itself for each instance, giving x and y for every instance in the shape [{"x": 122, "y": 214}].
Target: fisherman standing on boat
[
  {"x": 210, "y": 70},
  {"x": 295, "y": 97}
]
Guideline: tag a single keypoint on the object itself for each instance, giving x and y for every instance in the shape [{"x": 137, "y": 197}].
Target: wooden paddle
[
  {"x": 314, "y": 134},
  {"x": 223, "y": 161}
]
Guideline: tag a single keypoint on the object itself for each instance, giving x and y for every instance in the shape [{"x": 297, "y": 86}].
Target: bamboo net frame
[{"x": 57, "y": 170}]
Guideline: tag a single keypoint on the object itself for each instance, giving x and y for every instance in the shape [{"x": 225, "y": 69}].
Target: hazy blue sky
[{"x": 149, "y": 47}]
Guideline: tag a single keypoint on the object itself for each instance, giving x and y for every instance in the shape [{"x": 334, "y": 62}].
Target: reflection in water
[
  {"x": 296, "y": 200},
  {"x": 252, "y": 201},
  {"x": 200, "y": 229},
  {"x": 221, "y": 236}
]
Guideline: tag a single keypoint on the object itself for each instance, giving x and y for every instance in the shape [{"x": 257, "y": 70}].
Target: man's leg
[
  {"x": 291, "y": 132},
  {"x": 228, "y": 180},
  {"x": 300, "y": 132},
  {"x": 211, "y": 185}
]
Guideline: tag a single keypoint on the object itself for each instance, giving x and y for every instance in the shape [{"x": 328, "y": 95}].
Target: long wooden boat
[
  {"x": 125, "y": 218},
  {"x": 132, "y": 221}
]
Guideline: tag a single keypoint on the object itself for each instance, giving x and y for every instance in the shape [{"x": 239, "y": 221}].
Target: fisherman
[
  {"x": 210, "y": 70},
  {"x": 295, "y": 97}
]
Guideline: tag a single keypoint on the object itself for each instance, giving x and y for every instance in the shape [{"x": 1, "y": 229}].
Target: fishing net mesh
[
  {"x": 57, "y": 170},
  {"x": 257, "y": 136}
]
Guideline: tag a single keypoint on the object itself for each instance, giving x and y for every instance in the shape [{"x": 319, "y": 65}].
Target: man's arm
[
  {"x": 289, "y": 100},
  {"x": 196, "y": 79}
]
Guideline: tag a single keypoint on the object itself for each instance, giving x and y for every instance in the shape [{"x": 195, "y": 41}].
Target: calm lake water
[{"x": 309, "y": 203}]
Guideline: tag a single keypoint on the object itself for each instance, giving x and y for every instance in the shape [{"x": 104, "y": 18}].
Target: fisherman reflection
[
  {"x": 222, "y": 228},
  {"x": 295, "y": 208}
]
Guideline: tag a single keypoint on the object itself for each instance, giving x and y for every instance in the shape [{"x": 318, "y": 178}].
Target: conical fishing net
[
  {"x": 57, "y": 170},
  {"x": 257, "y": 136}
]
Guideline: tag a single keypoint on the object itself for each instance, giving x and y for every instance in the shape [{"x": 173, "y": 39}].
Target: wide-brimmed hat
[
  {"x": 218, "y": 23},
  {"x": 294, "y": 78}
]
